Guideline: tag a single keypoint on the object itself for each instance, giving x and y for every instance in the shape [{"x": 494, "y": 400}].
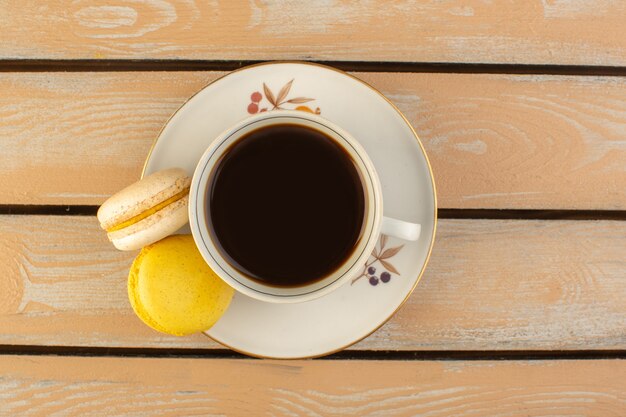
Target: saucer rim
[{"x": 419, "y": 142}]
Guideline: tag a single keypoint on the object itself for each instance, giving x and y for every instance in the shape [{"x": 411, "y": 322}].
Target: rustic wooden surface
[
  {"x": 562, "y": 287},
  {"x": 173, "y": 387},
  {"x": 581, "y": 32},
  {"x": 520, "y": 105},
  {"x": 494, "y": 141}
]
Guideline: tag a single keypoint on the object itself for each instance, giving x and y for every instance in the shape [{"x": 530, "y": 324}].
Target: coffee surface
[{"x": 286, "y": 205}]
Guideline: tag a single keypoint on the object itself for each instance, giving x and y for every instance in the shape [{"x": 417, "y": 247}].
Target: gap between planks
[
  {"x": 388, "y": 355},
  {"x": 127, "y": 65},
  {"x": 487, "y": 214}
]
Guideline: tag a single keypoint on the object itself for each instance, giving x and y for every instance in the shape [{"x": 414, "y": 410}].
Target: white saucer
[{"x": 354, "y": 311}]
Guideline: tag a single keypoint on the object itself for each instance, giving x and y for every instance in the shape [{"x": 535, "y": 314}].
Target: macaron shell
[
  {"x": 153, "y": 228},
  {"x": 141, "y": 196},
  {"x": 173, "y": 290},
  {"x": 133, "y": 295}
]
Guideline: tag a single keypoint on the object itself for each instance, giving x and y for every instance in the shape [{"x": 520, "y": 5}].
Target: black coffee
[{"x": 286, "y": 205}]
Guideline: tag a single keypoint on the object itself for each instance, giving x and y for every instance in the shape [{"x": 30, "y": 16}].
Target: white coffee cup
[{"x": 374, "y": 222}]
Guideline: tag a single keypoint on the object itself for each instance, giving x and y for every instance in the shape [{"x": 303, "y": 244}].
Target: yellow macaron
[
  {"x": 150, "y": 209},
  {"x": 173, "y": 290}
]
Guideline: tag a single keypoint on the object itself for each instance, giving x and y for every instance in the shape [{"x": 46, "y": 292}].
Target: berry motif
[
  {"x": 382, "y": 257},
  {"x": 256, "y": 97},
  {"x": 253, "y": 108}
]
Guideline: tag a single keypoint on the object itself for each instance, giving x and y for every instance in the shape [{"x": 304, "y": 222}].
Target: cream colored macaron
[{"x": 148, "y": 210}]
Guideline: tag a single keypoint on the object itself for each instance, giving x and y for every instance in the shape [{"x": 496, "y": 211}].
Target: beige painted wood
[
  {"x": 495, "y": 141},
  {"x": 580, "y": 32},
  {"x": 490, "y": 285},
  {"x": 75, "y": 386}
]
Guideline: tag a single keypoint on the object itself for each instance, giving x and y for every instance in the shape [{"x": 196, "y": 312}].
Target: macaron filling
[{"x": 149, "y": 212}]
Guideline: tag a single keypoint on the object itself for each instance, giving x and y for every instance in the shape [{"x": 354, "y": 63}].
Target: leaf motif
[
  {"x": 282, "y": 94},
  {"x": 269, "y": 95},
  {"x": 391, "y": 252},
  {"x": 383, "y": 241},
  {"x": 357, "y": 278},
  {"x": 375, "y": 252},
  {"x": 389, "y": 267},
  {"x": 300, "y": 100}
]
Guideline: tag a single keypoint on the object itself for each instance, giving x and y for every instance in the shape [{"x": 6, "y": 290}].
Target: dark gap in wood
[
  {"x": 117, "y": 352},
  {"x": 536, "y": 355},
  {"x": 491, "y": 355},
  {"x": 488, "y": 214},
  {"x": 112, "y": 65},
  {"x": 515, "y": 214},
  {"x": 52, "y": 210}
]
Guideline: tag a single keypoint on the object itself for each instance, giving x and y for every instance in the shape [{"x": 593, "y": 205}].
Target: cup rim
[{"x": 238, "y": 280}]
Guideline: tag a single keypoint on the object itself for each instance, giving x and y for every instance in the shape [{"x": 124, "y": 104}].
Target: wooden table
[{"x": 521, "y": 106}]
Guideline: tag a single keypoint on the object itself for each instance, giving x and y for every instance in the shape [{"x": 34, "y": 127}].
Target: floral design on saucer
[
  {"x": 279, "y": 101},
  {"x": 380, "y": 257}
]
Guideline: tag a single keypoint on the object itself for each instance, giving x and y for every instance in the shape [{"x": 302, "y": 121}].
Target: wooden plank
[
  {"x": 582, "y": 32},
  {"x": 82, "y": 386},
  {"x": 490, "y": 285},
  {"x": 495, "y": 141}
]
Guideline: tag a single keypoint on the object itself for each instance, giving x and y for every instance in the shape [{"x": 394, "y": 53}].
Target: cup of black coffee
[{"x": 286, "y": 207}]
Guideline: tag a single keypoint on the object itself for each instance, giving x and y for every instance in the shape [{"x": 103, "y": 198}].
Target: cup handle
[{"x": 400, "y": 229}]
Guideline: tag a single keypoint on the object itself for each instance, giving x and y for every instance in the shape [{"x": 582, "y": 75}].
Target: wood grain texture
[
  {"x": 64, "y": 386},
  {"x": 490, "y": 285},
  {"x": 581, "y": 32},
  {"x": 495, "y": 141}
]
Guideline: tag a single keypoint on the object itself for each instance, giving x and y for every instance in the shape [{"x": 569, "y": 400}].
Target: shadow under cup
[{"x": 285, "y": 207}]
